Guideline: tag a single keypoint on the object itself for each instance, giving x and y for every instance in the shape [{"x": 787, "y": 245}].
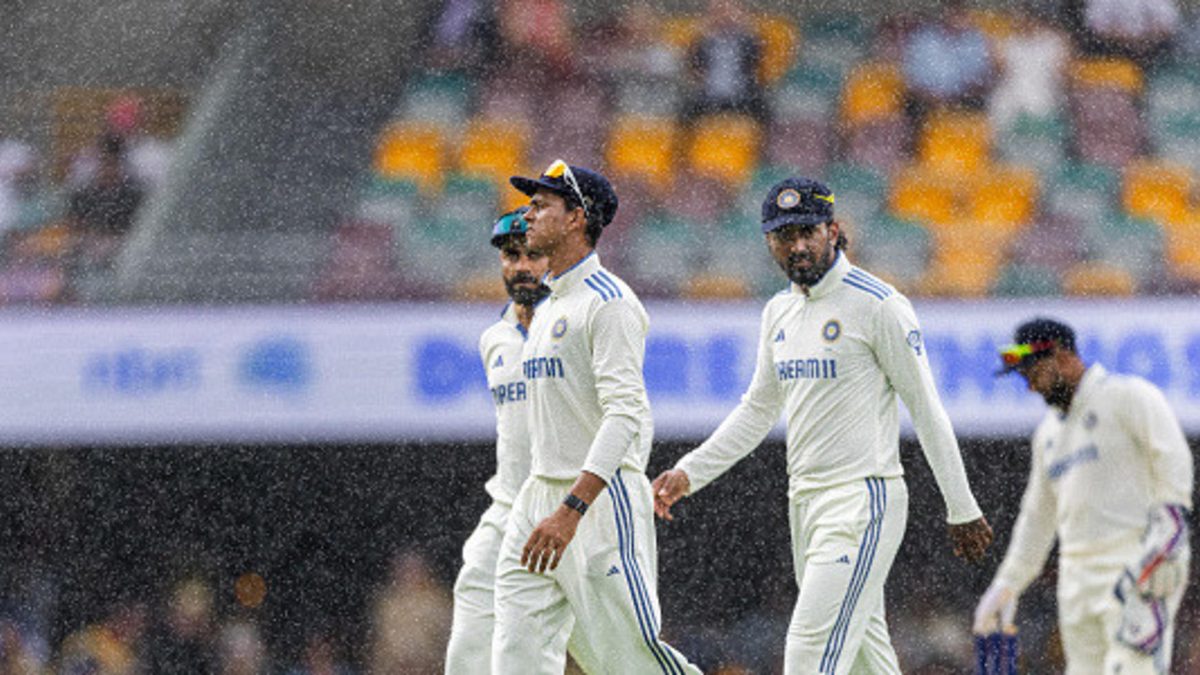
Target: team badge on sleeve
[
  {"x": 559, "y": 328},
  {"x": 914, "y": 341},
  {"x": 832, "y": 330}
]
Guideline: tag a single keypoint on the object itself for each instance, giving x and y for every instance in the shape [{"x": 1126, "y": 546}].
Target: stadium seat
[
  {"x": 661, "y": 255},
  {"x": 1037, "y": 142},
  {"x": 881, "y": 144},
  {"x": 724, "y": 147},
  {"x": 1003, "y": 197},
  {"x": 1053, "y": 243},
  {"x": 1105, "y": 97},
  {"x": 708, "y": 286},
  {"x": 1157, "y": 190},
  {"x": 1183, "y": 248},
  {"x": 924, "y": 196},
  {"x": 480, "y": 286},
  {"x": 834, "y": 41},
  {"x": 1082, "y": 192},
  {"x": 859, "y": 190},
  {"x": 966, "y": 259},
  {"x": 808, "y": 93},
  {"x": 893, "y": 249},
  {"x": 1107, "y": 73},
  {"x": 804, "y": 144},
  {"x": 439, "y": 98},
  {"x": 681, "y": 30},
  {"x": 778, "y": 36},
  {"x": 643, "y": 149},
  {"x": 1098, "y": 279},
  {"x": 1024, "y": 280},
  {"x": 1177, "y": 140},
  {"x": 360, "y": 265},
  {"x": 494, "y": 149},
  {"x": 955, "y": 142},
  {"x": 1133, "y": 244},
  {"x": 872, "y": 91},
  {"x": 412, "y": 151}
]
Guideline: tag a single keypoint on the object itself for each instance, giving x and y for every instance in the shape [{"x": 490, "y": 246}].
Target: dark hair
[{"x": 842, "y": 241}]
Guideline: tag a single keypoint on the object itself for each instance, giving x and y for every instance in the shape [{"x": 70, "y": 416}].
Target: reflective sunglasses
[
  {"x": 560, "y": 169},
  {"x": 1013, "y": 355}
]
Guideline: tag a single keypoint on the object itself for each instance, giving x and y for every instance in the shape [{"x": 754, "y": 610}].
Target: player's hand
[
  {"x": 549, "y": 540},
  {"x": 670, "y": 486},
  {"x": 971, "y": 540},
  {"x": 996, "y": 611}
]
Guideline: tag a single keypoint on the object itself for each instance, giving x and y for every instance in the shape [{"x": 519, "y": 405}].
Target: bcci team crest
[
  {"x": 559, "y": 329},
  {"x": 832, "y": 330},
  {"x": 787, "y": 199},
  {"x": 914, "y": 341}
]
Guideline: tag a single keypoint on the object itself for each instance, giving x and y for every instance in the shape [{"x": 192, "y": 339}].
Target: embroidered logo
[
  {"x": 914, "y": 341},
  {"x": 779, "y": 336},
  {"x": 832, "y": 330},
  {"x": 559, "y": 329}
]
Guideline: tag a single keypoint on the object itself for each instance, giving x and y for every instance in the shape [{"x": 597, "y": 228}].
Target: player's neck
[
  {"x": 524, "y": 314},
  {"x": 567, "y": 256}
]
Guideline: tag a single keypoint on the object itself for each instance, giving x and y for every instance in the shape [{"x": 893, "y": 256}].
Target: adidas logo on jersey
[
  {"x": 499, "y": 361},
  {"x": 779, "y": 337},
  {"x": 612, "y": 570},
  {"x": 844, "y": 559}
]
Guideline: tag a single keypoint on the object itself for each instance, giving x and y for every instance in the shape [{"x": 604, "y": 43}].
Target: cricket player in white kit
[
  {"x": 470, "y": 649},
  {"x": 1111, "y": 478},
  {"x": 835, "y": 351},
  {"x": 580, "y": 547}
]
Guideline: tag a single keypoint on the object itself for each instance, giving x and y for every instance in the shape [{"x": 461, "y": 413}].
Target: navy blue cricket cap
[
  {"x": 1034, "y": 340},
  {"x": 796, "y": 201},
  {"x": 579, "y": 186},
  {"x": 511, "y": 223}
]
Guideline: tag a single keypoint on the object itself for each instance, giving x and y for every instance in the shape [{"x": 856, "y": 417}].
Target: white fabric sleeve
[
  {"x": 1147, "y": 416},
  {"x": 1033, "y": 535},
  {"x": 744, "y": 428},
  {"x": 618, "y": 334},
  {"x": 900, "y": 348}
]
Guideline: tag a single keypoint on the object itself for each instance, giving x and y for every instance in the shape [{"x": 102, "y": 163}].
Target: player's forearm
[
  {"x": 945, "y": 460},
  {"x": 612, "y": 442},
  {"x": 738, "y": 435}
]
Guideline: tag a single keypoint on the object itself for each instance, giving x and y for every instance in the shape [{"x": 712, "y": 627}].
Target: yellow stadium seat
[
  {"x": 779, "y": 38},
  {"x": 480, "y": 287},
  {"x": 995, "y": 25},
  {"x": 724, "y": 147},
  {"x": 925, "y": 197},
  {"x": 493, "y": 149},
  {"x": 1003, "y": 197},
  {"x": 681, "y": 31},
  {"x": 643, "y": 148},
  {"x": 1114, "y": 73},
  {"x": 412, "y": 151},
  {"x": 706, "y": 286},
  {"x": 1097, "y": 278},
  {"x": 1183, "y": 247},
  {"x": 1157, "y": 190},
  {"x": 967, "y": 258},
  {"x": 872, "y": 91},
  {"x": 956, "y": 142}
]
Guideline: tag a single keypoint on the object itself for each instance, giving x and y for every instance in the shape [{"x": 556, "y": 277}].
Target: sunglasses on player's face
[
  {"x": 1015, "y": 355},
  {"x": 560, "y": 169}
]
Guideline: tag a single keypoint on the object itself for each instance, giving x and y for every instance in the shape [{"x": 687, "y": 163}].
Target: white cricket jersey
[
  {"x": 1096, "y": 472},
  {"x": 833, "y": 361},
  {"x": 583, "y": 365},
  {"x": 500, "y": 348}
]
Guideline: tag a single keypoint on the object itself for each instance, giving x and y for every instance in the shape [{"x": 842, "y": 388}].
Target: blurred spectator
[
  {"x": 538, "y": 36},
  {"x": 946, "y": 62},
  {"x": 110, "y": 647},
  {"x": 639, "y": 67},
  {"x": 1032, "y": 60},
  {"x": 107, "y": 202},
  {"x": 724, "y": 63},
  {"x": 320, "y": 657},
  {"x": 465, "y": 36},
  {"x": 241, "y": 650},
  {"x": 144, "y": 157},
  {"x": 1138, "y": 29},
  {"x": 184, "y": 641},
  {"x": 411, "y": 620},
  {"x": 24, "y": 204}
]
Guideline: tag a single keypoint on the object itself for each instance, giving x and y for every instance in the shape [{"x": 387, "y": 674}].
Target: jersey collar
[
  {"x": 571, "y": 277},
  {"x": 831, "y": 280},
  {"x": 1088, "y": 385}
]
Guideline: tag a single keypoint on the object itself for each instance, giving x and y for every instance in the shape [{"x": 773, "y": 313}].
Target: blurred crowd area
[
  {"x": 310, "y": 560},
  {"x": 1049, "y": 148}
]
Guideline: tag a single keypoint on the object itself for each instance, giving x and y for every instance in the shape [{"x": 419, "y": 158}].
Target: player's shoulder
[
  {"x": 603, "y": 286},
  {"x": 1126, "y": 386},
  {"x": 502, "y": 331},
  {"x": 868, "y": 289}
]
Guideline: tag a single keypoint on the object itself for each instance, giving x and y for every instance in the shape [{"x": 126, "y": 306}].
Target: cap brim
[
  {"x": 794, "y": 219},
  {"x": 1006, "y": 370},
  {"x": 529, "y": 186}
]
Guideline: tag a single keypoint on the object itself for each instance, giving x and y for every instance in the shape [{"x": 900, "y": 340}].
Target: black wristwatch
[{"x": 575, "y": 503}]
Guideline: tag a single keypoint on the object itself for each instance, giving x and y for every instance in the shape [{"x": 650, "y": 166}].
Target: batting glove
[
  {"x": 997, "y": 610},
  {"x": 1163, "y": 566},
  {"x": 1144, "y": 619}
]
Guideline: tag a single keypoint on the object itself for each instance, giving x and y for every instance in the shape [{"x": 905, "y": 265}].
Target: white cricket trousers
[
  {"x": 844, "y": 540},
  {"x": 1089, "y": 614},
  {"x": 605, "y": 585},
  {"x": 470, "y": 649}
]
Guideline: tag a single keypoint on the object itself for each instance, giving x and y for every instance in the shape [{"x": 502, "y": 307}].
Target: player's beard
[
  {"x": 812, "y": 274},
  {"x": 528, "y": 295},
  {"x": 1059, "y": 394}
]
